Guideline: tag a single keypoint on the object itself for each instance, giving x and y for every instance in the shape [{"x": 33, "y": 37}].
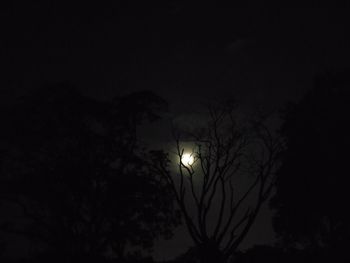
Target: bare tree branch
[{"x": 224, "y": 152}]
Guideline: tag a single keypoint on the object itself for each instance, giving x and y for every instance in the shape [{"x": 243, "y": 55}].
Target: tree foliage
[
  {"x": 77, "y": 172},
  {"x": 312, "y": 186}
]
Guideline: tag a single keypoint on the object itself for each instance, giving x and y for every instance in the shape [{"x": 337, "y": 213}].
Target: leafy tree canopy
[
  {"x": 312, "y": 186},
  {"x": 76, "y": 170}
]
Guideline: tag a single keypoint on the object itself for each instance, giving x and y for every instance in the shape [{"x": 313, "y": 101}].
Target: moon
[{"x": 187, "y": 159}]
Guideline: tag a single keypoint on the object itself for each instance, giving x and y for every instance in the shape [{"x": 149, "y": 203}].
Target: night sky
[{"x": 186, "y": 54}]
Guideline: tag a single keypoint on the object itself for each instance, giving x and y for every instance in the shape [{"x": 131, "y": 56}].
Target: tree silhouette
[
  {"x": 77, "y": 173},
  {"x": 2, "y": 249},
  {"x": 312, "y": 189},
  {"x": 222, "y": 191}
]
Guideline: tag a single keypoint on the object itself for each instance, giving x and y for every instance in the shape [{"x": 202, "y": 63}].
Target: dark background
[
  {"x": 263, "y": 53},
  {"x": 188, "y": 54}
]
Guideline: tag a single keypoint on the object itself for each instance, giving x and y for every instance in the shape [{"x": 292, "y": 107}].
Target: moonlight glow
[{"x": 187, "y": 159}]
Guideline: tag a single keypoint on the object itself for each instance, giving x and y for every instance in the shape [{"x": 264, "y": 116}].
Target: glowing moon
[{"x": 187, "y": 159}]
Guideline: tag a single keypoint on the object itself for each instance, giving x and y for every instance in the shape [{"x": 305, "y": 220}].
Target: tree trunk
[{"x": 210, "y": 253}]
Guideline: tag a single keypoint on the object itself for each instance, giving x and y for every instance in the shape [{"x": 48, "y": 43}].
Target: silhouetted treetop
[
  {"x": 221, "y": 184},
  {"x": 312, "y": 184},
  {"x": 75, "y": 169}
]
